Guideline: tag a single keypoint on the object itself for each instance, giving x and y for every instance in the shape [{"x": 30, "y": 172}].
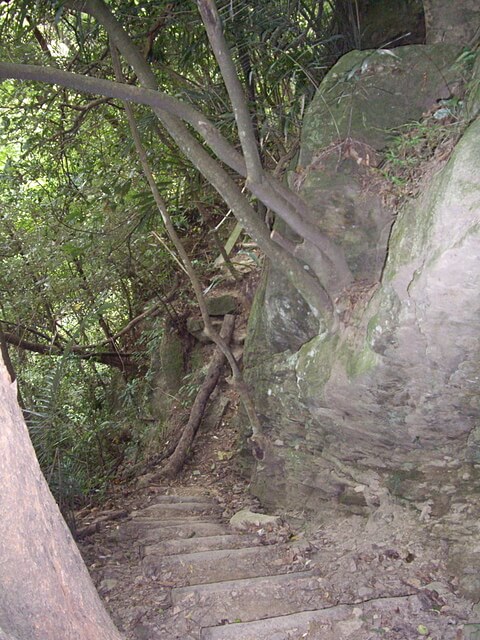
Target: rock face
[
  {"x": 168, "y": 370},
  {"x": 389, "y": 404},
  {"x": 448, "y": 21}
]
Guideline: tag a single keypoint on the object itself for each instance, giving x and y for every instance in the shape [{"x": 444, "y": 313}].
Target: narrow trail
[{"x": 172, "y": 567}]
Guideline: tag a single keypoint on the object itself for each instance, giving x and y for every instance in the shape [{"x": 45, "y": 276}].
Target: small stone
[
  {"x": 195, "y": 473},
  {"x": 246, "y": 517},
  {"x": 107, "y": 585},
  {"x": 278, "y": 442}
]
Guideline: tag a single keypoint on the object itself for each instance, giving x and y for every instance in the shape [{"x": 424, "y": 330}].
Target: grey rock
[
  {"x": 221, "y": 305},
  {"x": 246, "y": 517}
]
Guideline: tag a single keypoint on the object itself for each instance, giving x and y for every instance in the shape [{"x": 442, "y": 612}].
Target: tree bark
[
  {"x": 46, "y": 591},
  {"x": 10, "y": 368},
  {"x": 246, "y": 133},
  {"x": 288, "y": 205},
  {"x": 186, "y": 263},
  {"x": 117, "y": 359}
]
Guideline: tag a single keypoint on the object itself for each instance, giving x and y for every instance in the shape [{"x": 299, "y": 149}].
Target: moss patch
[
  {"x": 314, "y": 364},
  {"x": 368, "y": 93},
  {"x": 359, "y": 362}
]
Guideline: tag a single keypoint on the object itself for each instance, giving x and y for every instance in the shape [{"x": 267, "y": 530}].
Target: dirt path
[{"x": 169, "y": 566}]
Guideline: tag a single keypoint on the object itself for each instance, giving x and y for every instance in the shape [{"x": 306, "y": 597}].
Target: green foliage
[
  {"x": 467, "y": 58},
  {"x": 68, "y": 424},
  {"x": 76, "y": 221},
  {"x": 189, "y": 389},
  {"x": 416, "y": 143}
]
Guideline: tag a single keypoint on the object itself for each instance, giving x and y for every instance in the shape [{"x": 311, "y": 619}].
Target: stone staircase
[{"x": 177, "y": 570}]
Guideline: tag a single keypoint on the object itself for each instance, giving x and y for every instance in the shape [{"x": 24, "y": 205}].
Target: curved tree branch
[
  {"x": 171, "y": 112},
  {"x": 246, "y": 133},
  {"x": 217, "y": 338},
  {"x": 288, "y": 205},
  {"x": 310, "y": 289},
  {"x": 118, "y": 359}
]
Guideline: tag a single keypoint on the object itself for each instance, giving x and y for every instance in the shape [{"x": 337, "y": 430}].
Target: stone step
[
  {"x": 184, "y": 499},
  {"x": 197, "y": 544},
  {"x": 152, "y": 532},
  {"x": 280, "y": 628},
  {"x": 341, "y": 622},
  {"x": 251, "y": 599},
  {"x": 219, "y": 565},
  {"x": 176, "y": 510}
]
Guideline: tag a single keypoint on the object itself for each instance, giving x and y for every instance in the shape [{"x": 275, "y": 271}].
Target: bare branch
[
  {"x": 177, "y": 459},
  {"x": 169, "y": 111},
  {"x": 288, "y": 205},
  {"x": 118, "y": 359},
  {"x": 246, "y": 133},
  {"x": 187, "y": 263}
]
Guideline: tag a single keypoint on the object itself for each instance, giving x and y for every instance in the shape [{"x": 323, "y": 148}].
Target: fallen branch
[
  {"x": 177, "y": 459},
  {"x": 94, "y": 527}
]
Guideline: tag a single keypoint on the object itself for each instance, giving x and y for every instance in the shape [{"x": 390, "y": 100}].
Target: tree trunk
[
  {"x": 10, "y": 369},
  {"x": 46, "y": 591}
]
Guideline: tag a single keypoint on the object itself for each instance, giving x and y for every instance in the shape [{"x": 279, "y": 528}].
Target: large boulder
[{"x": 388, "y": 406}]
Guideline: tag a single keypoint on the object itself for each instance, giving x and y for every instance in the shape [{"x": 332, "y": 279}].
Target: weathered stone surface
[
  {"x": 168, "y": 371},
  {"x": 338, "y": 621},
  {"x": 176, "y": 510},
  {"x": 221, "y": 305},
  {"x": 245, "y": 517},
  {"x": 368, "y": 93},
  {"x": 361, "y": 100},
  {"x": 449, "y": 21},
  {"x": 391, "y": 23},
  {"x": 251, "y": 598},
  {"x": 200, "y": 543},
  {"x": 280, "y": 319},
  {"x": 390, "y": 402},
  {"x": 219, "y": 564},
  {"x": 381, "y": 400},
  {"x": 244, "y": 585}
]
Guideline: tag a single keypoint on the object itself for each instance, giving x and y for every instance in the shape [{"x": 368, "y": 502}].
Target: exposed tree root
[{"x": 177, "y": 459}]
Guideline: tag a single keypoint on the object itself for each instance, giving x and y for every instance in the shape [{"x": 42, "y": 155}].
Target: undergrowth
[{"x": 431, "y": 139}]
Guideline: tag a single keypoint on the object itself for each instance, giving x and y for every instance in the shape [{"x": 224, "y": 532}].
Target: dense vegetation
[{"x": 86, "y": 272}]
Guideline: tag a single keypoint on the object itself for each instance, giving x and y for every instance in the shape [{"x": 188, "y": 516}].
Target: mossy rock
[
  {"x": 221, "y": 305},
  {"x": 369, "y": 93},
  {"x": 168, "y": 370}
]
